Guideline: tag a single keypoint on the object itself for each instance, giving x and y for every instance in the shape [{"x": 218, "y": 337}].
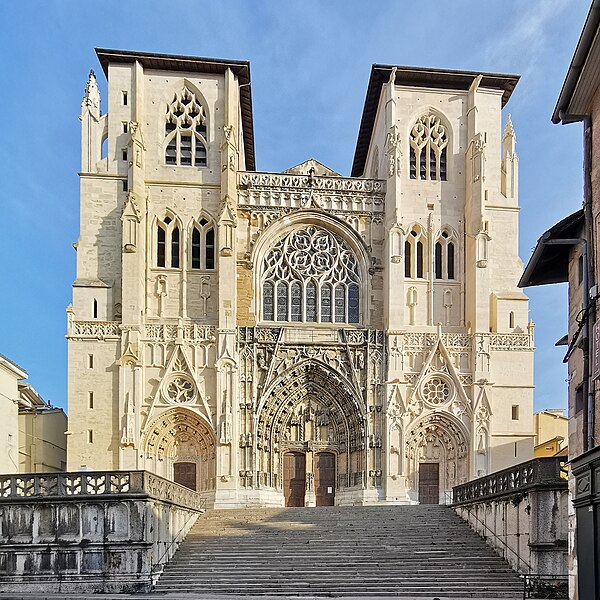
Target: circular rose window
[
  {"x": 436, "y": 391},
  {"x": 180, "y": 389}
]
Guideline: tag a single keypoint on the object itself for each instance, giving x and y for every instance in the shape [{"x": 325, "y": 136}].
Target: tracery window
[
  {"x": 185, "y": 131},
  {"x": 428, "y": 142},
  {"x": 168, "y": 251},
  {"x": 311, "y": 276},
  {"x": 445, "y": 256},
  {"x": 203, "y": 245},
  {"x": 414, "y": 254}
]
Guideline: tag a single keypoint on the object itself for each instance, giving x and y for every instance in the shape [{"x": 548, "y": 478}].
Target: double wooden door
[
  {"x": 429, "y": 483},
  {"x": 294, "y": 478}
]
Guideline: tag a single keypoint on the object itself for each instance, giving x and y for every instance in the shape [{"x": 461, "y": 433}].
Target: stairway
[{"x": 380, "y": 551}]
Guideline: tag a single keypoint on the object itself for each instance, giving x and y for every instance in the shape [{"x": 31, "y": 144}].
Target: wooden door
[
  {"x": 184, "y": 473},
  {"x": 294, "y": 478},
  {"x": 429, "y": 483},
  {"x": 325, "y": 479}
]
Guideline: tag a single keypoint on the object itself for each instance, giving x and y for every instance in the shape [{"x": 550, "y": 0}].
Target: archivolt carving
[
  {"x": 176, "y": 427},
  {"x": 310, "y": 405}
]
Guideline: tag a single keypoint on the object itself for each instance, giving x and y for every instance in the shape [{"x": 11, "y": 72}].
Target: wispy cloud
[{"x": 525, "y": 37}]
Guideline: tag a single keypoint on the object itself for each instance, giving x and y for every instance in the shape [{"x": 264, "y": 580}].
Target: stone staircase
[{"x": 362, "y": 552}]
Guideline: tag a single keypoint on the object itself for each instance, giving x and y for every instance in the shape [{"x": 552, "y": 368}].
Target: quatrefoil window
[
  {"x": 437, "y": 390},
  {"x": 180, "y": 389}
]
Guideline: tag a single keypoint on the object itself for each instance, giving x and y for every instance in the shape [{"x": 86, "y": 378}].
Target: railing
[
  {"x": 78, "y": 484},
  {"x": 539, "y": 472}
]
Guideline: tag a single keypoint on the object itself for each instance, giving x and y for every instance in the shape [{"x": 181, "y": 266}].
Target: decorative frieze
[
  {"x": 284, "y": 190},
  {"x": 168, "y": 333},
  {"x": 100, "y": 330}
]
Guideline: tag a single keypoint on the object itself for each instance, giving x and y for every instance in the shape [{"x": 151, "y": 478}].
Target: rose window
[
  {"x": 180, "y": 389},
  {"x": 311, "y": 276},
  {"x": 436, "y": 391}
]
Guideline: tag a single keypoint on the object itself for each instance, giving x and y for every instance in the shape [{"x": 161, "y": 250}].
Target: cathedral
[{"x": 298, "y": 338}]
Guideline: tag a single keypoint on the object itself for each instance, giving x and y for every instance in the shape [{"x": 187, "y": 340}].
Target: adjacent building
[
  {"x": 32, "y": 432},
  {"x": 298, "y": 338},
  {"x": 568, "y": 253}
]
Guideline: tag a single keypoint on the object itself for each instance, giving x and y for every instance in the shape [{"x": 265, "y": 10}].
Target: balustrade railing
[
  {"x": 539, "y": 472},
  {"x": 79, "y": 484}
]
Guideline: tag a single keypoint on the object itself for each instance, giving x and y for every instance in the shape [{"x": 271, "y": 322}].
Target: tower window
[
  {"x": 414, "y": 254},
  {"x": 95, "y": 309},
  {"x": 168, "y": 251},
  {"x": 124, "y": 126},
  {"x": 124, "y": 98},
  {"x": 90, "y": 399},
  {"x": 90, "y": 436},
  {"x": 185, "y": 131},
  {"x": 90, "y": 361},
  {"x": 203, "y": 245},
  {"x": 428, "y": 143},
  {"x": 515, "y": 412},
  {"x": 444, "y": 259}
]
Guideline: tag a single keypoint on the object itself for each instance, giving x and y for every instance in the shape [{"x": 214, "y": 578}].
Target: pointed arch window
[
  {"x": 316, "y": 277},
  {"x": 186, "y": 131},
  {"x": 428, "y": 147},
  {"x": 168, "y": 248},
  {"x": 203, "y": 245},
  {"x": 414, "y": 254},
  {"x": 445, "y": 255}
]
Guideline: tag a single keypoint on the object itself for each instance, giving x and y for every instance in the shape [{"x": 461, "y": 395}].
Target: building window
[
  {"x": 203, "y": 245},
  {"x": 511, "y": 320},
  {"x": 311, "y": 276},
  {"x": 90, "y": 399},
  {"x": 90, "y": 361},
  {"x": 444, "y": 251},
  {"x": 414, "y": 254},
  {"x": 428, "y": 142},
  {"x": 185, "y": 131},
  {"x": 580, "y": 269},
  {"x": 515, "y": 412},
  {"x": 124, "y": 98},
  {"x": 90, "y": 436},
  {"x": 95, "y": 309},
  {"x": 168, "y": 252},
  {"x": 579, "y": 399}
]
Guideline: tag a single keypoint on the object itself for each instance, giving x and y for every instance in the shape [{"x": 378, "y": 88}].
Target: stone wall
[
  {"x": 90, "y": 531},
  {"x": 522, "y": 513}
]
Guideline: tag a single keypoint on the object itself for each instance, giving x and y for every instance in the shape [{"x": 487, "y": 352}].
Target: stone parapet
[
  {"x": 96, "y": 531},
  {"x": 522, "y": 513}
]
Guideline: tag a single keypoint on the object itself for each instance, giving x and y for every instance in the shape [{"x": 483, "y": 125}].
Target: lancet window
[
  {"x": 445, "y": 256},
  {"x": 168, "y": 248},
  {"x": 203, "y": 245},
  {"x": 311, "y": 276},
  {"x": 428, "y": 144},
  {"x": 414, "y": 254},
  {"x": 185, "y": 131}
]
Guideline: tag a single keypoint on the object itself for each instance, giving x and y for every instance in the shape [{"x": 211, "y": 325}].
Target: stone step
[{"x": 366, "y": 552}]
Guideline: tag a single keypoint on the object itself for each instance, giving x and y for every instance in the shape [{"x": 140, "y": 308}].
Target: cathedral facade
[{"x": 298, "y": 338}]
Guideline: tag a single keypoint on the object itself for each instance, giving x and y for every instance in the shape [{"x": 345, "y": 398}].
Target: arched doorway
[
  {"x": 437, "y": 453},
  {"x": 310, "y": 431},
  {"x": 180, "y": 445}
]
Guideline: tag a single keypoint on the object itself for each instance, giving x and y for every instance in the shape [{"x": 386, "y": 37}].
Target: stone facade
[{"x": 236, "y": 330}]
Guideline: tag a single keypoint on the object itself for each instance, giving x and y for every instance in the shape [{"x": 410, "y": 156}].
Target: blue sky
[{"x": 310, "y": 64}]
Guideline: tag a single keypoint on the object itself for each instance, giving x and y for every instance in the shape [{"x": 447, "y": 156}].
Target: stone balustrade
[
  {"x": 522, "y": 513},
  {"x": 90, "y": 531}
]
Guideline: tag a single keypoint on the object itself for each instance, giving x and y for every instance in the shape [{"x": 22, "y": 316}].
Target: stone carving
[
  {"x": 294, "y": 191},
  {"x": 180, "y": 389},
  {"x": 191, "y": 333},
  {"x": 95, "y": 329}
]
